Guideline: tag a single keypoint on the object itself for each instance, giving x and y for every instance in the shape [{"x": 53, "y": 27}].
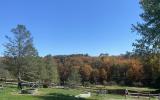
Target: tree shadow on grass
[{"x": 57, "y": 96}]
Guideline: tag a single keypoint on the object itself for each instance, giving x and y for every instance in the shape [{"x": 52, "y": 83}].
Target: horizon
[{"x": 73, "y": 27}]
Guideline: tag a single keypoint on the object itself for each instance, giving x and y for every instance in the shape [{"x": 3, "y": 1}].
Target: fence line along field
[{"x": 10, "y": 92}]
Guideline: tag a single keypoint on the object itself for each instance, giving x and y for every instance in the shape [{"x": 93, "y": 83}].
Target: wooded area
[{"x": 138, "y": 68}]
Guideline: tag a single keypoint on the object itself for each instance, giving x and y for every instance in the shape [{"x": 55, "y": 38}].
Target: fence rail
[{"x": 148, "y": 95}]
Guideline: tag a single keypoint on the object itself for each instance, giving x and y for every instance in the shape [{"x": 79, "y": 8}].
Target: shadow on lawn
[{"x": 57, "y": 96}]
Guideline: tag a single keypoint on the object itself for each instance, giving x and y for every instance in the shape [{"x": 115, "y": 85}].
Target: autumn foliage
[{"x": 101, "y": 70}]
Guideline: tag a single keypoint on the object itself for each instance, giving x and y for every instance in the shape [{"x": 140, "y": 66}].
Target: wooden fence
[{"x": 145, "y": 95}]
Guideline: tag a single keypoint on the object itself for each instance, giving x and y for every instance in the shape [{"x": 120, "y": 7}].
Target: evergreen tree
[
  {"x": 149, "y": 29},
  {"x": 74, "y": 77},
  {"x": 19, "y": 50},
  {"x": 51, "y": 69},
  {"x": 148, "y": 46}
]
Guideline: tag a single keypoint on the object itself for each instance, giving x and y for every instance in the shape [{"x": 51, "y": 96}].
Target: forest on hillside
[{"x": 82, "y": 69}]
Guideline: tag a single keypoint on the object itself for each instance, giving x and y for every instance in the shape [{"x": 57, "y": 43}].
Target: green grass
[
  {"x": 11, "y": 93},
  {"x": 126, "y": 87}
]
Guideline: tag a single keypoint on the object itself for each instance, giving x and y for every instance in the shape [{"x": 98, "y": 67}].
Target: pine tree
[
  {"x": 149, "y": 29},
  {"x": 74, "y": 77},
  {"x": 18, "y": 50},
  {"x": 51, "y": 69},
  {"x": 148, "y": 46}
]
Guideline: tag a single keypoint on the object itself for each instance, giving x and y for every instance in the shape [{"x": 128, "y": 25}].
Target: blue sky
[{"x": 73, "y": 26}]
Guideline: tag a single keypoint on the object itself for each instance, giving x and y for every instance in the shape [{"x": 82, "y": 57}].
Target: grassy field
[{"x": 11, "y": 93}]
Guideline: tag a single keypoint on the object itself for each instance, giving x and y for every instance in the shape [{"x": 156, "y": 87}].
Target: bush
[
  {"x": 112, "y": 83},
  {"x": 45, "y": 85},
  {"x": 105, "y": 83},
  {"x": 122, "y": 83},
  {"x": 87, "y": 84},
  {"x": 137, "y": 84}
]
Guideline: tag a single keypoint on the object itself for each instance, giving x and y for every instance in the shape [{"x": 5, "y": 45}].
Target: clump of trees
[
  {"x": 100, "y": 70},
  {"x": 21, "y": 59}
]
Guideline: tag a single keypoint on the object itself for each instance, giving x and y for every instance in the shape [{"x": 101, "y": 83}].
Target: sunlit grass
[{"x": 11, "y": 93}]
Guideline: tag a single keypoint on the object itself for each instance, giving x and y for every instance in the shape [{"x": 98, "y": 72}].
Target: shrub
[
  {"x": 137, "y": 84},
  {"x": 112, "y": 83},
  {"x": 87, "y": 84},
  {"x": 122, "y": 83}
]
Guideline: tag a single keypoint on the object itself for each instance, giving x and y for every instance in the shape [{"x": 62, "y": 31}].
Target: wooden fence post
[
  {"x": 149, "y": 95},
  {"x": 159, "y": 97},
  {"x": 126, "y": 93}
]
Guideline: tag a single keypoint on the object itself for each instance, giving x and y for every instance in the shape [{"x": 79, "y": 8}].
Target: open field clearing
[{"x": 11, "y": 93}]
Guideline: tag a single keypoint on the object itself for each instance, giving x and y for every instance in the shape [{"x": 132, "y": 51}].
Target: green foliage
[
  {"x": 149, "y": 28},
  {"x": 148, "y": 46},
  {"x": 5, "y": 74},
  {"x": 51, "y": 69},
  {"x": 32, "y": 69},
  {"x": 18, "y": 50},
  {"x": 74, "y": 77}
]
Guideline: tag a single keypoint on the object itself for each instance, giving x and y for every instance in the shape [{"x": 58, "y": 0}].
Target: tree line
[{"x": 99, "y": 70}]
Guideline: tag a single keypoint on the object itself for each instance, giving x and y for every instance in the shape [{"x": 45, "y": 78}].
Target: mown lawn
[{"x": 11, "y": 93}]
